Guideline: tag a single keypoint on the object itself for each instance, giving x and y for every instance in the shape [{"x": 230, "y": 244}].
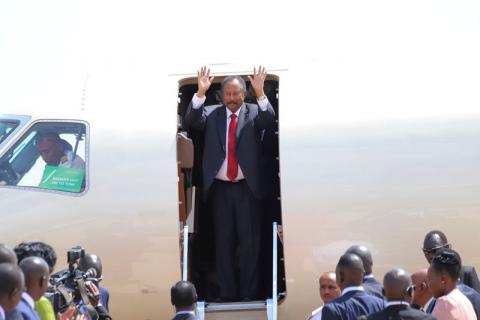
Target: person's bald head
[
  {"x": 364, "y": 254},
  {"x": 329, "y": 288},
  {"x": 7, "y": 255},
  {"x": 433, "y": 242},
  {"x": 421, "y": 292},
  {"x": 397, "y": 285},
  {"x": 11, "y": 288},
  {"x": 36, "y": 273},
  {"x": 349, "y": 271}
]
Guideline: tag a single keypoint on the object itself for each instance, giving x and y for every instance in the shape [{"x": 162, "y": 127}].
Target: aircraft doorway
[{"x": 195, "y": 212}]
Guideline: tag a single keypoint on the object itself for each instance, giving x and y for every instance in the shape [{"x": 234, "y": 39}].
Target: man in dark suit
[
  {"x": 370, "y": 284},
  {"x": 11, "y": 287},
  {"x": 354, "y": 301},
  {"x": 184, "y": 298},
  {"x": 231, "y": 176},
  {"x": 36, "y": 273},
  {"x": 436, "y": 240},
  {"x": 398, "y": 291}
]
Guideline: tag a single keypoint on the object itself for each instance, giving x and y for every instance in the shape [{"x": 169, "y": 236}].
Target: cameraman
[{"x": 90, "y": 261}]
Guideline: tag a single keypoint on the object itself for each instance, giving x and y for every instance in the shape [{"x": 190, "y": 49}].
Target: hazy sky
[{"x": 351, "y": 60}]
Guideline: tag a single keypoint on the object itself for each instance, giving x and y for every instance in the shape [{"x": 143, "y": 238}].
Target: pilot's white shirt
[{"x": 67, "y": 161}]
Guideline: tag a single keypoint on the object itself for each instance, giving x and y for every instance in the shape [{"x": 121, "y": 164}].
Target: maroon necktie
[{"x": 232, "y": 164}]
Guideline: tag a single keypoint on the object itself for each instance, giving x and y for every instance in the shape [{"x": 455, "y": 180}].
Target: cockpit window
[
  {"x": 7, "y": 127},
  {"x": 51, "y": 156}
]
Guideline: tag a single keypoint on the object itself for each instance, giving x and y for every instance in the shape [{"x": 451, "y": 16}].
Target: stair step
[{"x": 235, "y": 306}]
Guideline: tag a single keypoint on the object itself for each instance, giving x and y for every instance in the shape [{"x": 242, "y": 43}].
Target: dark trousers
[{"x": 236, "y": 215}]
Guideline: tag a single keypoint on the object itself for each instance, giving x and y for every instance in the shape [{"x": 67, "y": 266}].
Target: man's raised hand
[
  {"x": 204, "y": 81},
  {"x": 258, "y": 80}
]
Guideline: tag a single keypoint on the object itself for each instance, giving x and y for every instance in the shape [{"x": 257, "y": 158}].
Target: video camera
[{"x": 68, "y": 286}]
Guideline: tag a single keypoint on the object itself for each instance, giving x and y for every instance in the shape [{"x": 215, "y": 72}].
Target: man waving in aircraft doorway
[{"x": 232, "y": 175}]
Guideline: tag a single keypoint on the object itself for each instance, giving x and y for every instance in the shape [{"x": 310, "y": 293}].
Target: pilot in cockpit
[{"x": 57, "y": 152}]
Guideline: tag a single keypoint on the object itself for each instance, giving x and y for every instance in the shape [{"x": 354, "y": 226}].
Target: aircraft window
[
  {"x": 195, "y": 213},
  {"x": 49, "y": 156},
  {"x": 6, "y": 128}
]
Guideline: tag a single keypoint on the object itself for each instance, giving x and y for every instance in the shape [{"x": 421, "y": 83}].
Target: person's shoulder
[
  {"x": 14, "y": 314},
  {"x": 370, "y": 297},
  {"x": 332, "y": 305},
  {"x": 468, "y": 291},
  {"x": 376, "y": 315},
  {"x": 337, "y": 300},
  {"x": 451, "y": 300},
  {"x": 252, "y": 108},
  {"x": 468, "y": 269},
  {"x": 416, "y": 314},
  {"x": 103, "y": 290},
  {"x": 213, "y": 109},
  {"x": 22, "y": 306}
]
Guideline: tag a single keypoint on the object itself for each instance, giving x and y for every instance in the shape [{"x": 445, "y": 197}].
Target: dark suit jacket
[
  {"x": 352, "y": 305},
  {"x": 373, "y": 287},
  {"x": 400, "y": 312},
  {"x": 468, "y": 275},
  {"x": 185, "y": 317},
  {"x": 213, "y": 121},
  {"x": 22, "y": 311},
  {"x": 472, "y": 295},
  {"x": 104, "y": 296}
]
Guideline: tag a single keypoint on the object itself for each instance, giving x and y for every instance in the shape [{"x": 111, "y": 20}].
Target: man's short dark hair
[
  {"x": 37, "y": 249},
  {"x": 448, "y": 260},
  {"x": 183, "y": 294},
  {"x": 47, "y": 134},
  {"x": 232, "y": 78}
]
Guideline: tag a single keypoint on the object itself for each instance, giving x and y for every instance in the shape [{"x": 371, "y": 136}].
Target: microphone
[{"x": 90, "y": 273}]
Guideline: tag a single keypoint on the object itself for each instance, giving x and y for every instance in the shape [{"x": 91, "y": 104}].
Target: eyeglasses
[
  {"x": 435, "y": 249},
  {"x": 411, "y": 288}
]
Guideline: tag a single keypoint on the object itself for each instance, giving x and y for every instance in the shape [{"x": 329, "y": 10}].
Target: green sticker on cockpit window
[{"x": 63, "y": 179}]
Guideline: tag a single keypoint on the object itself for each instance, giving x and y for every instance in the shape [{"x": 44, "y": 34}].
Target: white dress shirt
[
  {"x": 222, "y": 173},
  {"x": 317, "y": 314},
  {"x": 368, "y": 276},
  {"x": 396, "y": 303},
  {"x": 68, "y": 161},
  {"x": 186, "y": 312},
  {"x": 29, "y": 300},
  {"x": 353, "y": 288},
  {"x": 2, "y": 313}
]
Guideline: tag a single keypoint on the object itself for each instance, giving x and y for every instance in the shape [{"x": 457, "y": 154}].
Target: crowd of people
[
  {"x": 446, "y": 290},
  {"x": 27, "y": 293}
]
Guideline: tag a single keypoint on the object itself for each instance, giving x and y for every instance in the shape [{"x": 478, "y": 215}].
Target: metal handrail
[
  {"x": 274, "y": 272},
  {"x": 185, "y": 254}
]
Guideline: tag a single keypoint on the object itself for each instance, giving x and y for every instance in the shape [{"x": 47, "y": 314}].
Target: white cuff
[
  {"x": 263, "y": 104},
  {"x": 198, "y": 102}
]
